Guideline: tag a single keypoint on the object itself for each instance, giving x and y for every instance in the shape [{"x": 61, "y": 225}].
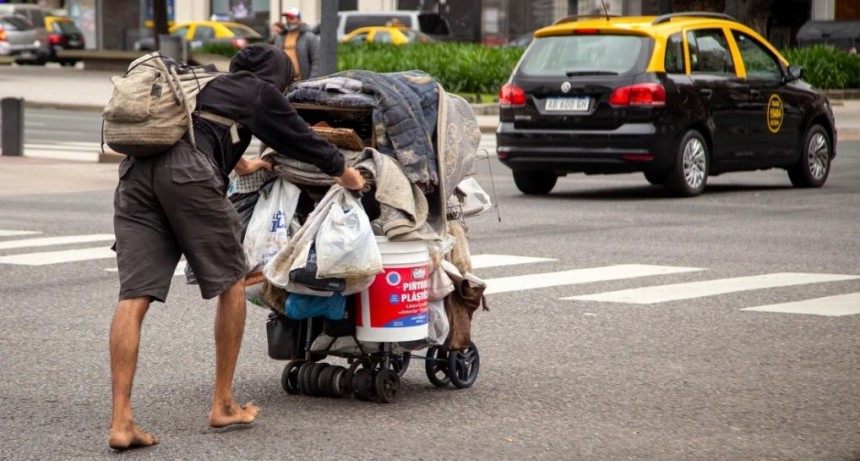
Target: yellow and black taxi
[{"x": 678, "y": 97}]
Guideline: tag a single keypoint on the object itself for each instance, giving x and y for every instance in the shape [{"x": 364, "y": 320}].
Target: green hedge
[
  {"x": 472, "y": 68},
  {"x": 826, "y": 67},
  {"x": 459, "y": 67}
]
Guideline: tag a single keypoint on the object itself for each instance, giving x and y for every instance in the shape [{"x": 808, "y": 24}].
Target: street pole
[
  {"x": 328, "y": 37},
  {"x": 12, "y": 136}
]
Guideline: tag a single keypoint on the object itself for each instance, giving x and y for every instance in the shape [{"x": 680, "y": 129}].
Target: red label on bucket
[{"x": 398, "y": 298}]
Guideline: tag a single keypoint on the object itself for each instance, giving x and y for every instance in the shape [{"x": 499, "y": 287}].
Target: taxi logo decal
[{"x": 775, "y": 113}]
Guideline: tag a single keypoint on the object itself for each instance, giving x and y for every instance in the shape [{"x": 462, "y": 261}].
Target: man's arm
[
  {"x": 246, "y": 166},
  {"x": 314, "y": 54}
]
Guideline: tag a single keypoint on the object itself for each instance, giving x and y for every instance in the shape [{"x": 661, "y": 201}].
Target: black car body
[{"x": 678, "y": 97}]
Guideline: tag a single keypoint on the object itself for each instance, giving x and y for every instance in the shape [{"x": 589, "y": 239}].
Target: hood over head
[{"x": 266, "y": 62}]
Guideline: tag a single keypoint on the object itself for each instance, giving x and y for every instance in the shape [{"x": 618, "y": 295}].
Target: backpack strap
[{"x": 234, "y": 125}]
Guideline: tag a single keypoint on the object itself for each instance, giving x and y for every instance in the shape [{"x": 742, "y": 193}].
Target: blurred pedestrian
[{"x": 300, "y": 44}]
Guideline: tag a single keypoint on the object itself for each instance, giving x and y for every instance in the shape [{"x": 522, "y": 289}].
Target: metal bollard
[{"x": 12, "y": 136}]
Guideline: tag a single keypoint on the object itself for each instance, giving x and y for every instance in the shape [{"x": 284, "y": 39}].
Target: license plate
[
  {"x": 579, "y": 104},
  {"x": 74, "y": 43},
  {"x": 25, "y": 54}
]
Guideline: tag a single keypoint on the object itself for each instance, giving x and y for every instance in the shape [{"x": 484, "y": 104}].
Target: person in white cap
[{"x": 300, "y": 44}]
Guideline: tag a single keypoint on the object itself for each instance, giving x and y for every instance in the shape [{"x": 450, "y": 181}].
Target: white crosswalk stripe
[
  {"x": 680, "y": 291},
  {"x": 580, "y": 276},
  {"x": 835, "y": 306}
]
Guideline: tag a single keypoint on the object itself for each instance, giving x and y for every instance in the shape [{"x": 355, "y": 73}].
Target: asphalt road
[{"x": 695, "y": 378}]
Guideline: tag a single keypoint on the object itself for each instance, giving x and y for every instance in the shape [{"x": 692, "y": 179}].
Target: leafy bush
[
  {"x": 826, "y": 67},
  {"x": 459, "y": 67}
]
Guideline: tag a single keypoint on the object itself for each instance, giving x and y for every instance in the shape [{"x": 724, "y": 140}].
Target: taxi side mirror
[{"x": 795, "y": 73}]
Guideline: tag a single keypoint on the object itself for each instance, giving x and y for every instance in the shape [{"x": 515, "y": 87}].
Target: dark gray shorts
[{"x": 169, "y": 205}]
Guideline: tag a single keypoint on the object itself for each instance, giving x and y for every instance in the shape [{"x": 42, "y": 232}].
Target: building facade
[{"x": 116, "y": 24}]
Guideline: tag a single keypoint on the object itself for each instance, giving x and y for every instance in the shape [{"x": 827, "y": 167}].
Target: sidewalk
[{"x": 75, "y": 89}]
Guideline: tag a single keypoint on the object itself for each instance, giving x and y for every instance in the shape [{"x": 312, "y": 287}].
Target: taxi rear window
[{"x": 582, "y": 55}]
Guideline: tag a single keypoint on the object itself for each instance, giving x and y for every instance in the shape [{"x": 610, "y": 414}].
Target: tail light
[
  {"x": 512, "y": 96},
  {"x": 240, "y": 42},
  {"x": 55, "y": 39},
  {"x": 2, "y": 35},
  {"x": 642, "y": 94}
]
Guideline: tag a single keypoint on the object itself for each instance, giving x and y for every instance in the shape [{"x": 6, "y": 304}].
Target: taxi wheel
[
  {"x": 814, "y": 165},
  {"x": 689, "y": 174},
  {"x": 535, "y": 182}
]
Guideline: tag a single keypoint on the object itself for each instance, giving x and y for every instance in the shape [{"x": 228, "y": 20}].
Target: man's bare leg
[
  {"x": 229, "y": 328},
  {"x": 124, "y": 346}
]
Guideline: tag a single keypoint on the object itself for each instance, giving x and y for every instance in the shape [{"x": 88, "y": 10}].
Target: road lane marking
[
  {"x": 831, "y": 306},
  {"x": 484, "y": 261},
  {"x": 15, "y": 233},
  {"x": 580, "y": 276},
  {"x": 679, "y": 291},
  {"x": 48, "y": 241},
  {"x": 57, "y": 257}
]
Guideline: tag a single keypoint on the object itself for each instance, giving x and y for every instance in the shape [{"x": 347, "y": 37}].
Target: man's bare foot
[
  {"x": 130, "y": 436},
  {"x": 227, "y": 415}
]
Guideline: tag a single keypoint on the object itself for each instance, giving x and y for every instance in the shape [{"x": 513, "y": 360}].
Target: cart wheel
[
  {"x": 304, "y": 377},
  {"x": 362, "y": 385},
  {"x": 463, "y": 366},
  {"x": 436, "y": 366},
  {"x": 325, "y": 382},
  {"x": 348, "y": 376},
  {"x": 290, "y": 377},
  {"x": 336, "y": 382},
  {"x": 399, "y": 364},
  {"x": 387, "y": 384},
  {"x": 314, "y": 378}
]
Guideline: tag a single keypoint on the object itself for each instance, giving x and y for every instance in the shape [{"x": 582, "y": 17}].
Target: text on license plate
[{"x": 567, "y": 104}]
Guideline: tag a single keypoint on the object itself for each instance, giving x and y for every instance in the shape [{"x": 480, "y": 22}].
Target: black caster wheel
[
  {"x": 326, "y": 381},
  {"x": 338, "y": 389},
  {"x": 387, "y": 384},
  {"x": 362, "y": 385},
  {"x": 436, "y": 366},
  {"x": 305, "y": 378},
  {"x": 348, "y": 376},
  {"x": 463, "y": 366},
  {"x": 399, "y": 364},
  {"x": 290, "y": 377},
  {"x": 314, "y": 378}
]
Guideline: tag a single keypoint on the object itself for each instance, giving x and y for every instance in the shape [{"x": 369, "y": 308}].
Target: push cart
[{"x": 374, "y": 369}]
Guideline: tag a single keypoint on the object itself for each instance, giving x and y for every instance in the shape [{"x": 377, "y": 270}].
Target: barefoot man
[{"x": 174, "y": 203}]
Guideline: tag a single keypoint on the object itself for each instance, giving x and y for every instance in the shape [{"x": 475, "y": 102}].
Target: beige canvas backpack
[{"x": 153, "y": 104}]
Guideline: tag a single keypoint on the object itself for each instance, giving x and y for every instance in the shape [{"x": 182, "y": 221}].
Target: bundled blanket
[{"x": 404, "y": 107}]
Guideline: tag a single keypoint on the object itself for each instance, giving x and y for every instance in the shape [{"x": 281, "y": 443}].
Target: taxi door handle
[
  {"x": 755, "y": 93},
  {"x": 706, "y": 92}
]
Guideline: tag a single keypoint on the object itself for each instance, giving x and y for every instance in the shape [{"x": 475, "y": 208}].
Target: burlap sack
[{"x": 460, "y": 305}]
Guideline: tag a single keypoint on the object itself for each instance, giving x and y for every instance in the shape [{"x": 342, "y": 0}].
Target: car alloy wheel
[
  {"x": 814, "y": 165},
  {"x": 690, "y": 172}
]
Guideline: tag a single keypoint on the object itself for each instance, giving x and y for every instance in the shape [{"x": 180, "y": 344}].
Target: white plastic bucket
[{"x": 395, "y": 306}]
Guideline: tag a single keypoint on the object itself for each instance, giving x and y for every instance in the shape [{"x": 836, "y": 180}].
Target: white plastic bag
[
  {"x": 269, "y": 231},
  {"x": 475, "y": 200},
  {"x": 345, "y": 244}
]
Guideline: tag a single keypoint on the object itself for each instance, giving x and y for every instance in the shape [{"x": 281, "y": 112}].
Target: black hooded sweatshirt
[{"x": 253, "y": 95}]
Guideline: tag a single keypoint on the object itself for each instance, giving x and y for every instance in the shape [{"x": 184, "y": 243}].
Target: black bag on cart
[
  {"x": 287, "y": 337},
  {"x": 345, "y": 326}
]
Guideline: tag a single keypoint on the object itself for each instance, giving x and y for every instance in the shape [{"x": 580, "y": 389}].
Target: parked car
[
  {"x": 392, "y": 35},
  {"x": 199, "y": 33},
  {"x": 63, "y": 34},
  {"x": 433, "y": 24},
  {"x": 36, "y": 15},
  {"x": 521, "y": 41},
  {"x": 18, "y": 38},
  {"x": 679, "y": 97}
]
